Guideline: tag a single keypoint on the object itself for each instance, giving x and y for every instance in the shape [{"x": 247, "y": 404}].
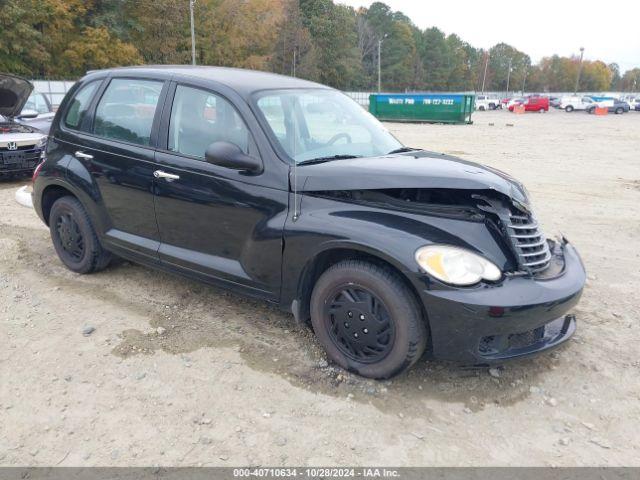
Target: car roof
[{"x": 245, "y": 82}]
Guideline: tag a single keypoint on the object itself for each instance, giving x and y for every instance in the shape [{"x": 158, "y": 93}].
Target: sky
[{"x": 610, "y": 32}]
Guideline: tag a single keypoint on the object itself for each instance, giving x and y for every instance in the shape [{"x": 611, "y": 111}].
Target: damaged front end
[{"x": 510, "y": 222}]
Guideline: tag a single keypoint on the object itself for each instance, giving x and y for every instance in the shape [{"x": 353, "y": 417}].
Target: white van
[{"x": 569, "y": 104}]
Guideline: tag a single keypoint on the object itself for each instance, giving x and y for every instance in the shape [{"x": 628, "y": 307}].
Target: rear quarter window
[{"x": 79, "y": 106}]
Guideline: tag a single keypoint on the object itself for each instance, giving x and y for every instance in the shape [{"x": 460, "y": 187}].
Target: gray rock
[
  {"x": 495, "y": 372},
  {"x": 323, "y": 364},
  {"x": 160, "y": 330},
  {"x": 88, "y": 330}
]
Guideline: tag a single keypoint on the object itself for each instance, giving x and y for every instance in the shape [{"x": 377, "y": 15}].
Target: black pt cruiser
[{"x": 289, "y": 191}]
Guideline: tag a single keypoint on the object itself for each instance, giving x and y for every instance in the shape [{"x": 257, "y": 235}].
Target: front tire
[
  {"x": 619, "y": 111},
  {"x": 74, "y": 237},
  {"x": 568, "y": 109},
  {"x": 367, "y": 319}
]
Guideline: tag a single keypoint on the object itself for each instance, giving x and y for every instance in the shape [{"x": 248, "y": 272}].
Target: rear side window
[
  {"x": 126, "y": 110},
  {"x": 200, "y": 118},
  {"x": 80, "y": 105}
]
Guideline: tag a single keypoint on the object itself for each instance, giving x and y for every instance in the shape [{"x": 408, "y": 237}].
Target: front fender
[{"x": 326, "y": 224}]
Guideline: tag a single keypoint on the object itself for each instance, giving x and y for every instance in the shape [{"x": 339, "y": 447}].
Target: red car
[{"x": 534, "y": 104}]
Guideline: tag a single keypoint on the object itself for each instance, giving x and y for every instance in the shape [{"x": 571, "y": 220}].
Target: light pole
[
  {"x": 484, "y": 77},
  {"x": 380, "y": 61},
  {"x": 193, "y": 33},
  {"x": 509, "y": 75},
  {"x": 575, "y": 91}
]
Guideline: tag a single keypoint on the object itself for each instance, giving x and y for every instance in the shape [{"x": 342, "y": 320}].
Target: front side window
[
  {"x": 126, "y": 110},
  {"x": 80, "y": 105},
  {"x": 314, "y": 124},
  {"x": 200, "y": 118}
]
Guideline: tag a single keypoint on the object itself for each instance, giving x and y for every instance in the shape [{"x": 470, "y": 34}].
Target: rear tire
[
  {"x": 74, "y": 237},
  {"x": 568, "y": 109},
  {"x": 367, "y": 319},
  {"x": 619, "y": 110}
]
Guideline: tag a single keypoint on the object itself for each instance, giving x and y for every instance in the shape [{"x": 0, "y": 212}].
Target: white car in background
[
  {"x": 569, "y": 104},
  {"x": 21, "y": 145},
  {"x": 515, "y": 101},
  {"x": 487, "y": 102},
  {"x": 633, "y": 102}
]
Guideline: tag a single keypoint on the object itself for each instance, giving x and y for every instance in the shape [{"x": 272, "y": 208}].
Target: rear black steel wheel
[
  {"x": 367, "y": 319},
  {"x": 74, "y": 237}
]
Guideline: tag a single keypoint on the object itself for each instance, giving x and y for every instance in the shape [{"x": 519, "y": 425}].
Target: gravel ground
[{"x": 179, "y": 373}]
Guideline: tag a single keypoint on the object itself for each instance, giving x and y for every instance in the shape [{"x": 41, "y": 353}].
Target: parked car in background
[
  {"x": 288, "y": 191},
  {"x": 514, "y": 101},
  {"x": 613, "y": 106},
  {"x": 555, "y": 102},
  {"x": 633, "y": 102},
  {"x": 637, "y": 107},
  {"x": 487, "y": 102},
  {"x": 569, "y": 104},
  {"x": 534, "y": 104},
  {"x": 37, "y": 112},
  {"x": 21, "y": 145}
]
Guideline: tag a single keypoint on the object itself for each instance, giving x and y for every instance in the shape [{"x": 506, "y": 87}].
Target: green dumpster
[{"x": 428, "y": 107}]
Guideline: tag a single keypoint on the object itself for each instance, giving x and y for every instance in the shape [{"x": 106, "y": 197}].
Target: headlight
[{"x": 455, "y": 265}]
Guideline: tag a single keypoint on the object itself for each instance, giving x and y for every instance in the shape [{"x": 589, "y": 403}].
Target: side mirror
[
  {"x": 27, "y": 114},
  {"x": 229, "y": 155}
]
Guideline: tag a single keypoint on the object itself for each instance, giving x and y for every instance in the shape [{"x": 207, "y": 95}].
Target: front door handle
[
  {"x": 86, "y": 156},
  {"x": 169, "y": 177}
]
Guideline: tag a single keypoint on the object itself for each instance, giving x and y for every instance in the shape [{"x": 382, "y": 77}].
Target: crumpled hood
[
  {"x": 14, "y": 93},
  {"x": 420, "y": 169}
]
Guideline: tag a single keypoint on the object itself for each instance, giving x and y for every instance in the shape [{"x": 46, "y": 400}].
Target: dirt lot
[{"x": 179, "y": 373}]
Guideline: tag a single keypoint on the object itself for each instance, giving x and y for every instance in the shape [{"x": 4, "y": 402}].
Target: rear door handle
[
  {"x": 86, "y": 156},
  {"x": 169, "y": 177}
]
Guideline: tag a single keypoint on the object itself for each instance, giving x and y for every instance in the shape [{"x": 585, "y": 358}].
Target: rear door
[
  {"x": 118, "y": 152},
  {"x": 220, "y": 224}
]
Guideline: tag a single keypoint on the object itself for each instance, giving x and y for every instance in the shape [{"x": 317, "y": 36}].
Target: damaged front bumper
[{"x": 523, "y": 315}]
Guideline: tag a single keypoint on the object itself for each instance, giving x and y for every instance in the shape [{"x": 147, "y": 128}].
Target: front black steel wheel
[
  {"x": 360, "y": 324},
  {"x": 367, "y": 319}
]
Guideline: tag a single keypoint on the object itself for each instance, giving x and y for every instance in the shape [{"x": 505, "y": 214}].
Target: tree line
[{"x": 314, "y": 39}]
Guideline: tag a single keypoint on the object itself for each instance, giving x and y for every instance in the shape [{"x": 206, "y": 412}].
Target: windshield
[{"x": 314, "y": 124}]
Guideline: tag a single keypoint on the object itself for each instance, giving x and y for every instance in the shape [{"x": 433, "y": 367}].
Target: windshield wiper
[
  {"x": 403, "y": 150},
  {"x": 314, "y": 161}
]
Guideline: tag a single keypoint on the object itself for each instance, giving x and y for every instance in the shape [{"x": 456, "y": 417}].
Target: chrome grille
[{"x": 530, "y": 244}]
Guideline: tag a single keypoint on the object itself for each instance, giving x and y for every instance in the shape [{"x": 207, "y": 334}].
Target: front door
[{"x": 216, "y": 222}]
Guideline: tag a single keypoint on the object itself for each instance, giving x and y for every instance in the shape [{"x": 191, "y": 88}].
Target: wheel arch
[
  {"x": 326, "y": 258},
  {"x": 49, "y": 195}
]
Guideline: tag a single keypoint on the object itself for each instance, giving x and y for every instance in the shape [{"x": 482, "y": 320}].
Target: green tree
[
  {"x": 631, "y": 80},
  {"x": 332, "y": 29},
  {"x": 502, "y": 57}
]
